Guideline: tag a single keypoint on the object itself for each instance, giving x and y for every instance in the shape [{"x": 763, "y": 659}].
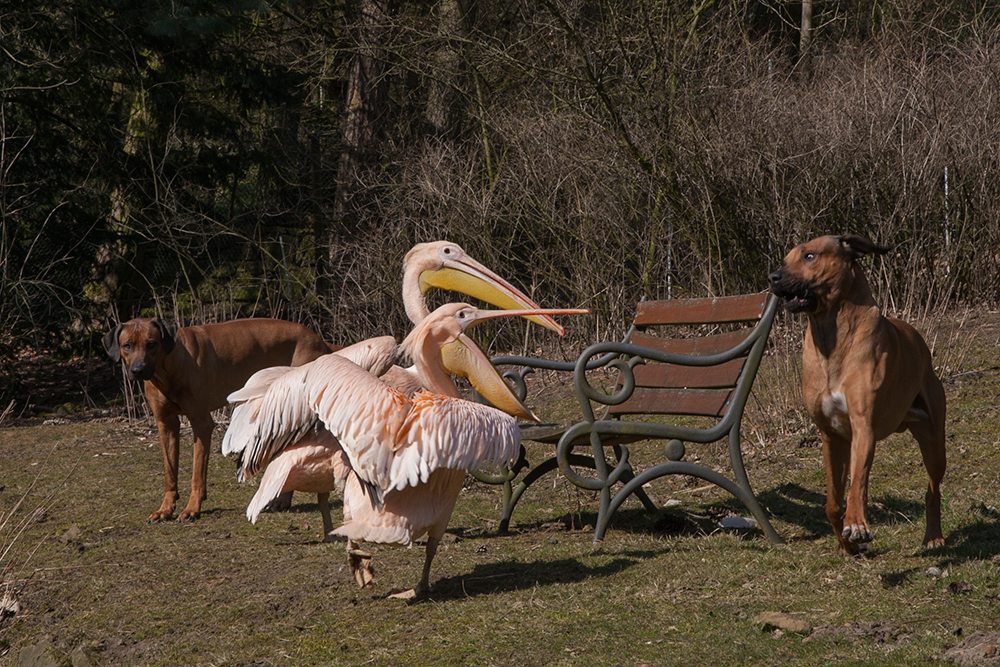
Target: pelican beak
[
  {"x": 463, "y": 357},
  {"x": 468, "y": 276},
  {"x": 482, "y": 315}
]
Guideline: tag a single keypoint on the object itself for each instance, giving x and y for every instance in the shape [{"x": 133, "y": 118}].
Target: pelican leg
[
  {"x": 323, "y": 500},
  {"x": 423, "y": 587},
  {"x": 361, "y": 567}
]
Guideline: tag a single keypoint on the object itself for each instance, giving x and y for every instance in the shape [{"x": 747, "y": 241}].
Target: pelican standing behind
[{"x": 445, "y": 265}]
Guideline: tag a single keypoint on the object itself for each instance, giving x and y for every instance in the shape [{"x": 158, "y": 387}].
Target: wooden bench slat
[
  {"x": 704, "y": 402},
  {"x": 743, "y": 308},
  {"x": 701, "y": 345},
  {"x": 675, "y": 376}
]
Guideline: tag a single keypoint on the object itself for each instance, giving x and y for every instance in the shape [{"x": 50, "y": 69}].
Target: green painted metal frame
[{"x": 602, "y": 432}]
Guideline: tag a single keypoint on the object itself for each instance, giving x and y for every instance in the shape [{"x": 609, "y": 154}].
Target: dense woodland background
[{"x": 207, "y": 159}]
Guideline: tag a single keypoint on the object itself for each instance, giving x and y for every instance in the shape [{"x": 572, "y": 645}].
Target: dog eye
[{"x": 810, "y": 256}]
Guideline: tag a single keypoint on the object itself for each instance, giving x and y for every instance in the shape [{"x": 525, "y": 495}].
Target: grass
[{"x": 671, "y": 591}]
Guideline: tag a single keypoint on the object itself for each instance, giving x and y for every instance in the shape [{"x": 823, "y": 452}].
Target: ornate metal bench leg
[
  {"x": 508, "y": 508},
  {"x": 743, "y": 481},
  {"x": 537, "y": 472}
]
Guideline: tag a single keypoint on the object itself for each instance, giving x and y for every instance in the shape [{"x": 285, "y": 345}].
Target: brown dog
[
  {"x": 190, "y": 371},
  {"x": 864, "y": 376}
]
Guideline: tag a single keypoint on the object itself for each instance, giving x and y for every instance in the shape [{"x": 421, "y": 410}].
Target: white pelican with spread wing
[
  {"x": 408, "y": 456},
  {"x": 308, "y": 466}
]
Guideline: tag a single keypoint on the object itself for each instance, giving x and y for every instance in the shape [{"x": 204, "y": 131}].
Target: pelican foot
[
  {"x": 361, "y": 567},
  {"x": 418, "y": 591},
  {"x": 282, "y": 503}
]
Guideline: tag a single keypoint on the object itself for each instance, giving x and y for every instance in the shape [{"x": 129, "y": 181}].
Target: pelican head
[
  {"x": 439, "y": 346},
  {"x": 445, "y": 265}
]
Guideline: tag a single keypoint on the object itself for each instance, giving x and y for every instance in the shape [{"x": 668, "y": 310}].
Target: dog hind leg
[{"x": 930, "y": 435}]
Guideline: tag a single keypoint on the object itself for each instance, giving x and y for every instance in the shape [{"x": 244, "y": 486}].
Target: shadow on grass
[
  {"x": 506, "y": 577},
  {"x": 798, "y": 506},
  {"x": 976, "y": 540},
  {"x": 668, "y": 522}
]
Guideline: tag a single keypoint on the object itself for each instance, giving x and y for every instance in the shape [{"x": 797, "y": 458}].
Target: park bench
[{"x": 705, "y": 369}]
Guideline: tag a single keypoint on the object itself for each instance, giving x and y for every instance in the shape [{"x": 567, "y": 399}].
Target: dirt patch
[
  {"x": 855, "y": 633},
  {"x": 981, "y": 648}
]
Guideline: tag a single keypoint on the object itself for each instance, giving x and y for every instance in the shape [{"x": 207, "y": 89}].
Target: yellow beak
[
  {"x": 472, "y": 278},
  {"x": 463, "y": 357}
]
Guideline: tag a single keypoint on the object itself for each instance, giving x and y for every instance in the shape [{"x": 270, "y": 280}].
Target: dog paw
[
  {"x": 158, "y": 517},
  {"x": 933, "y": 543},
  {"x": 857, "y": 534}
]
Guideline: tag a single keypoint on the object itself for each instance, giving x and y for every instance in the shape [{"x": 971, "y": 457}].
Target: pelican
[
  {"x": 408, "y": 456},
  {"x": 445, "y": 265},
  {"x": 438, "y": 264}
]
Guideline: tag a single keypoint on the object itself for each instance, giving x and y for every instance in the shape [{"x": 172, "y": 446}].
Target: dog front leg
[
  {"x": 856, "y": 530},
  {"x": 169, "y": 428},
  {"x": 836, "y": 459},
  {"x": 202, "y": 427}
]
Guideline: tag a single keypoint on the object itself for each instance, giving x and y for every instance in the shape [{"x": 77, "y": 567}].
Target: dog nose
[{"x": 775, "y": 277}]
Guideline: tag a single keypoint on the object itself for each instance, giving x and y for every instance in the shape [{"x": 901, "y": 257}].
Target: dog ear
[
  {"x": 168, "y": 334},
  {"x": 859, "y": 246},
  {"x": 110, "y": 342}
]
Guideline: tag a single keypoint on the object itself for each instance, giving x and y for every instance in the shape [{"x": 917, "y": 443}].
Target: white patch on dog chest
[{"x": 835, "y": 409}]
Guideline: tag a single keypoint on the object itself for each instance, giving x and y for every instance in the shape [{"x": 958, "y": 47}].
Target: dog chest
[{"x": 834, "y": 408}]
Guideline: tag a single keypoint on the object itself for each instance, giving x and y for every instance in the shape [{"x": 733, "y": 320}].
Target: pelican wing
[
  {"x": 245, "y": 413},
  {"x": 274, "y": 408},
  {"x": 445, "y": 432},
  {"x": 375, "y": 355},
  {"x": 364, "y": 413},
  {"x": 271, "y": 419}
]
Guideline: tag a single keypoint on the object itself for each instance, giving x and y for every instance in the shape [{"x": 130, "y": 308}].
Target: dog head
[
  {"x": 139, "y": 343},
  {"x": 820, "y": 272}
]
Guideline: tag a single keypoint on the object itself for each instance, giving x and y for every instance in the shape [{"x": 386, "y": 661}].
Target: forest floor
[{"x": 86, "y": 581}]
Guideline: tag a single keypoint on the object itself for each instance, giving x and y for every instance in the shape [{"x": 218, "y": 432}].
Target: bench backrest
[{"x": 687, "y": 389}]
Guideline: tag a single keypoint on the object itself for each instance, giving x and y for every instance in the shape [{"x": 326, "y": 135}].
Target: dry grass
[{"x": 677, "y": 590}]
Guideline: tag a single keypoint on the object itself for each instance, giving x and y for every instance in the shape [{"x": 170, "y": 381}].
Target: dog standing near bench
[
  {"x": 191, "y": 370},
  {"x": 864, "y": 377}
]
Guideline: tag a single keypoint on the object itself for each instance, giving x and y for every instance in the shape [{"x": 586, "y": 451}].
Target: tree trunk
[
  {"x": 805, "y": 37},
  {"x": 441, "y": 95},
  {"x": 366, "y": 94}
]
